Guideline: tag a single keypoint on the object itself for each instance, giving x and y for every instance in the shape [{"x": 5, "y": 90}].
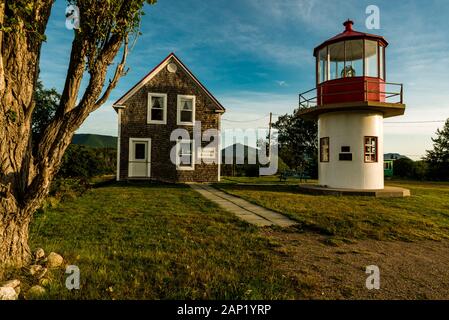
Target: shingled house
[{"x": 167, "y": 98}]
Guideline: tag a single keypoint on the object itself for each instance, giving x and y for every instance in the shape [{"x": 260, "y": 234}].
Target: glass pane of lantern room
[
  {"x": 354, "y": 58},
  {"x": 322, "y": 70},
  {"x": 336, "y": 60},
  {"x": 371, "y": 61}
]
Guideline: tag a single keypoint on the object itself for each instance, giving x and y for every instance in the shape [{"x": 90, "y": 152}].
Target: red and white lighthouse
[{"x": 350, "y": 101}]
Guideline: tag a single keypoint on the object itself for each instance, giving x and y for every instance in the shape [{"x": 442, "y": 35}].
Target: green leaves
[
  {"x": 20, "y": 17},
  {"x": 103, "y": 22}
]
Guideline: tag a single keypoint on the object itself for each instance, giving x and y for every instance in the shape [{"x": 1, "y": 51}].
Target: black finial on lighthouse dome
[{"x": 348, "y": 25}]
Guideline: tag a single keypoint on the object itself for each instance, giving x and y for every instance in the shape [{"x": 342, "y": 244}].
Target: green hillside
[{"x": 95, "y": 140}]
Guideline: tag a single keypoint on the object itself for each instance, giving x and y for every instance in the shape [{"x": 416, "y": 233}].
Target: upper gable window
[
  {"x": 186, "y": 110},
  {"x": 157, "y": 108}
]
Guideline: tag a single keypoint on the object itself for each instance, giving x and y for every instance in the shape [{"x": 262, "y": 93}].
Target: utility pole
[{"x": 269, "y": 136}]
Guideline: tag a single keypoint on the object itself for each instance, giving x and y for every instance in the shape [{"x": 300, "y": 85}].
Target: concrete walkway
[{"x": 243, "y": 209}]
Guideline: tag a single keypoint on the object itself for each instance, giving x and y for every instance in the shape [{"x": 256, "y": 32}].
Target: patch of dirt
[{"x": 323, "y": 269}]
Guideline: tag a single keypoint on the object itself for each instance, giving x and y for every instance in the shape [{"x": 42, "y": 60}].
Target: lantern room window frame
[{"x": 381, "y": 61}]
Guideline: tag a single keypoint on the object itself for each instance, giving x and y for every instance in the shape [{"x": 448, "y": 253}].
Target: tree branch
[{"x": 118, "y": 73}]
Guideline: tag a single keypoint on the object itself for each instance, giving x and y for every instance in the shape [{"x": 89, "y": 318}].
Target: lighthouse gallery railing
[{"x": 394, "y": 94}]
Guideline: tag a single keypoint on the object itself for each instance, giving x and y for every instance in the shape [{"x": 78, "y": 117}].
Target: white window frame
[
  {"x": 164, "y": 113},
  {"x": 178, "y": 117},
  {"x": 184, "y": 167}
]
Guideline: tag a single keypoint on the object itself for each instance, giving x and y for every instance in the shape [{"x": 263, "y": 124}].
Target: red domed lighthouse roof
[{"x": 350, "y": 34}]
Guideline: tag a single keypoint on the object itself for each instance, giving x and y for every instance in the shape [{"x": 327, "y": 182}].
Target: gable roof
[{"x": 120, "y": 103}]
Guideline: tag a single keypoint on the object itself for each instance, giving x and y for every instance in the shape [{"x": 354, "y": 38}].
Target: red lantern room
[{"x": 350, "y": 70}]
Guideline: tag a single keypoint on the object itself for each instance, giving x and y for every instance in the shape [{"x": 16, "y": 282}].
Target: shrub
[
  {"x": 84, "y": 163},
  {"x": 420, "y": 170},
  {"x": 403, "y": 168}
]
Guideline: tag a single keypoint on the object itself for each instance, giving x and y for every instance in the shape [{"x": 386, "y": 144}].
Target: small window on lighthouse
[
  {"x": 324, "y": 149},
  {"x": 370, "y": 149}
]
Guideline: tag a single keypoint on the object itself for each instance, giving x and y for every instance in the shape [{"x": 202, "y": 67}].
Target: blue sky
[{"x": 255, "y": 56}]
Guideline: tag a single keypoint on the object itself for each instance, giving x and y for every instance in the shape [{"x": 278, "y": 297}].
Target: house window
[
  {"x": 370, "y": 149},
  {"x": 186, "y": 110},
  {"x": 157, "y": 108},
  {"x": 185, "y": 159},
  {"x": 324, "y": 149}
]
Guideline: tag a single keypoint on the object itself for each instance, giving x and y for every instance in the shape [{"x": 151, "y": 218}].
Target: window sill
[
  {"x": 185, "y": 124},
  {"x": 185, "y": 168},
  {"x": 156, "y": 122}
]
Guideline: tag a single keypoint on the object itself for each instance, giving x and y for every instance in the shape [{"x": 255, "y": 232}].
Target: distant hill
[
  {"x": 95, "y": 140},
  {"x": 394, "y": 156}
]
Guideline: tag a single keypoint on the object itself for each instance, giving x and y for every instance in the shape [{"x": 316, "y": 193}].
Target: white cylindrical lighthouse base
[{"x": 349, "y": 129}]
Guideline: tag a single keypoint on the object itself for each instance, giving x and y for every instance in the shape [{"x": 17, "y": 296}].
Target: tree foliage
[
  {"x": 83, "y": 162},
  {"x": 298, "y": 142},
  {"x": 47, "y": 102},
  {"x": 438, "y": 157}
]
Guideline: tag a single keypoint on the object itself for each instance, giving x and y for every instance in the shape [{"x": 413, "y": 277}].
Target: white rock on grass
[
  {"x": 11, "y": 284},
  {"x": 39, "y": 254},
  {"x": 35, "y": 292},
  {"x": 15, "y": 284},
  {"x": 8, "y": 293},
  {"x": 54, "y": 260}
]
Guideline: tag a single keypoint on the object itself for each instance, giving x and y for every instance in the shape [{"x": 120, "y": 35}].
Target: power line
[
  {"x": 428, "y": 121},
  {"x": 243, "y": 121}
]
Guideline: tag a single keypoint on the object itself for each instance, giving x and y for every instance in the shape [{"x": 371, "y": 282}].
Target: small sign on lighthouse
[{"x": 350, "y": 101}]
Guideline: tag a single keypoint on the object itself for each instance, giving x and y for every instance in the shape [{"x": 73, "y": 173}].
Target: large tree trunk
[{"x": 19, "y": 60}]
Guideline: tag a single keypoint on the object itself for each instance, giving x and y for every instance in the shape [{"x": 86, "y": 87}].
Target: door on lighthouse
[{"x": 139, "y": 158}]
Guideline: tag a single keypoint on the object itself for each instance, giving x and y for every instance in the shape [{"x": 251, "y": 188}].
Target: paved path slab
[{"x": 243, "y": 209}]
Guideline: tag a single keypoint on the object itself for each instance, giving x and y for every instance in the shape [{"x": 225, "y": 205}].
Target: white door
[{"x": 139, "y": 158}]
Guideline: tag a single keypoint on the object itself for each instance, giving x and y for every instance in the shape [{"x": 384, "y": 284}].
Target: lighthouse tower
[{"x": 350, "y": 102}]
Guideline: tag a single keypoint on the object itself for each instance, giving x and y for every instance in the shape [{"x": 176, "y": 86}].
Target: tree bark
[{"x": 14, "y": 247}]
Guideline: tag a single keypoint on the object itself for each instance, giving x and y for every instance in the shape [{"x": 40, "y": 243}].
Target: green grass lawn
[
  {"x": 158, "y": 241},
  {"x": 153, "y": 241},
  {"x": 425, "y": 215}
]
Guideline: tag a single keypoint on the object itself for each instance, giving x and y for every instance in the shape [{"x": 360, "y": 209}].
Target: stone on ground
[
  {"x": 15, "y": 284},
  {"x": 8, "y": 293},
  {"x": 54, "y": 260},
  {"x": 39, "y": 254},
  {"x": 35, "y": 292}
]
